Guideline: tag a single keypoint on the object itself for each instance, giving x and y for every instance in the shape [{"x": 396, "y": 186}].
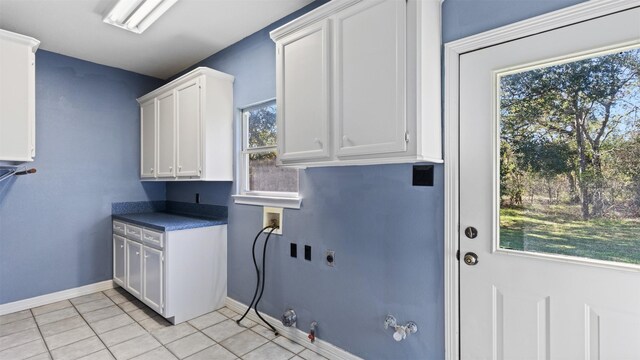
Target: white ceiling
[{"x": 188, "y": 32}]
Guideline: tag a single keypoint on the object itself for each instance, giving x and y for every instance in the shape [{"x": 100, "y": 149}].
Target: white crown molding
[
  {"x": 30, "y": 303},
  {"x": 202, "y": 70},
  {"x": 545, "y": 22},
  {"x": 21, "y": 39},
  {"x": 452, "y": 51},
  {"x": 319, "y": 346},
  {"x": 312, "y": 16}
]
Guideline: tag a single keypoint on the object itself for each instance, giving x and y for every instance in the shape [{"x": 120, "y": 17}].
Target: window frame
[{"x": 256, "y": 197}]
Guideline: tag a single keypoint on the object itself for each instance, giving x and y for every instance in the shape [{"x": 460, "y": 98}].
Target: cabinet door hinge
[{"x": 406, "y": 137}]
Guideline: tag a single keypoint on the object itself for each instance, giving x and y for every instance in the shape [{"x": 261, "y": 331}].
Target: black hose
[
  {"x": 255, "y": 263},
  {"x": 264, "y": 262}
]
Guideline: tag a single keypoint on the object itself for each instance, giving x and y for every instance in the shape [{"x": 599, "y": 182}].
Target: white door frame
[{"x": 452, "y": 51}]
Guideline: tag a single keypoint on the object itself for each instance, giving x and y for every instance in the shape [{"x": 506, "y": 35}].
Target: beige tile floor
[{"x": 114, "y": 325}]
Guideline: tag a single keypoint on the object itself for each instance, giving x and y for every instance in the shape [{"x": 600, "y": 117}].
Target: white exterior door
[
  {"x": 134, "y": 268},
  {"x": 538, "y": 291},
  {"x": 166, "y": 135},
  {"x": 188, "y": 120},
  {"x": 369, "y": 78},
  {"x": 153, "y": 278},
  {"x": 119, "y": 251}
]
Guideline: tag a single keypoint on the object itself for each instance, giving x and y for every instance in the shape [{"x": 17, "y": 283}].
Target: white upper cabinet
[
  {"x": 188, "y": 121},
  {"x": 359, "y": 83},
  {"x": 303, "y": 93},
  {"x": 193, "y": 124},
  {"x": 17, "y": 97},
  {"x": 369, "y": 75},
  {"x": 148, "y": 139},
  {"x": 166, "y": 135}
]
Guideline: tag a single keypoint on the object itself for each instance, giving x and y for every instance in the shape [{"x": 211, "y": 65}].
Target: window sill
[{"x": 283, "y": 202}]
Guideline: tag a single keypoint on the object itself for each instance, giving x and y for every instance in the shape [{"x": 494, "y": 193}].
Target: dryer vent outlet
[{"x": 272, "y": 216}]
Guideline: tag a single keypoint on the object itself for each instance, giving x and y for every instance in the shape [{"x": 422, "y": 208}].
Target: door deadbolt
[
  {"x": 470, "y": 258},
  {"x": 471, "y": 232}
]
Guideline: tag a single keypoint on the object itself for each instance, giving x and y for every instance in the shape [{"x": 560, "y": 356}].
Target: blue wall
[
  {"x": 55, "y": 225},
  {"x": 462, "y": 18},
  {"x": 387, "y": 234}
]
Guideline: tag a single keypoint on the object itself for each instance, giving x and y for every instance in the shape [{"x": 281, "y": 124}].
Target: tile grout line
[
  {"x": 46, "y": 346},
  {"x": 94, "y": 332}
]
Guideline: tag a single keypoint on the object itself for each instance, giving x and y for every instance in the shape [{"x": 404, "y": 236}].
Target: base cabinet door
[
  {"x": 134, "y": 268},
  {"x": 153, "y": 278},
  {"x": 119, "y": 260}
]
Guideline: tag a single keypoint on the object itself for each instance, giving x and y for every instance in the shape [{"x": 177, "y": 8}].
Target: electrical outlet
[
  {"x": 294, "y": 250},
  {"x": 330, "y": 258},
  {"x": 307, "y": 252},
  {"x": 270, "y": 216}
]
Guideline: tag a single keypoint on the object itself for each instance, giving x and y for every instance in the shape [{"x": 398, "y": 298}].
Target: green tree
[{"x": 579, "y": 103}]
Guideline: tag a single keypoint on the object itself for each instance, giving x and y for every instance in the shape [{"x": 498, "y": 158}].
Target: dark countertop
[{"x": 168, "y": 222}]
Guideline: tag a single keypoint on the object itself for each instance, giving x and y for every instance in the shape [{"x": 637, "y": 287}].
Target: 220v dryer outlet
[{"x": 270, "y": 216}]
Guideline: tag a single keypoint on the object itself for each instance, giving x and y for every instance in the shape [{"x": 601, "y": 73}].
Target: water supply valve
[
  {"x": 401, "y": 331},
  {"x": 289, "y": 318}
]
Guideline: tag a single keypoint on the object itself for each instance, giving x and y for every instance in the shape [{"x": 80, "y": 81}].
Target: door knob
[{"x": 470, "y": 258}]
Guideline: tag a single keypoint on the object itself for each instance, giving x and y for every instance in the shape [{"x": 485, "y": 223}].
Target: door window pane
[{"x": 570, "y": 158}]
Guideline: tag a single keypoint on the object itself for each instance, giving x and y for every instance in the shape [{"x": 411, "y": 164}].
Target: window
[
  {"x": 260, "y": 177},
  {"x": 570, "y": 158}
]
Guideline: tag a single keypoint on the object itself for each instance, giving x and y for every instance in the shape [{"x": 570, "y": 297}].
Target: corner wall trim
[
  {"x": 320, "y": 346},
  {"x": 25, "y": 304}
]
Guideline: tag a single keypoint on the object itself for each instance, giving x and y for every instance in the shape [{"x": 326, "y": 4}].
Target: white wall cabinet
[
  {"x": 304, "y": 94},
  {"x": 179, "y": 274},
  {"x": 17, "y": 97},
  {"x": 358, "y": 82},
  {"x": 192, "y": 121}
]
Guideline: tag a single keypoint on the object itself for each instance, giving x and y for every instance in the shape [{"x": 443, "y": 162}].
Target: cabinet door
[
  {"x": 303, "y": 80},
  {"x": 369, "y": 76},
  {"x": 119, "y": 260},
  {"x": 153, "y": 279},
  {"x": 17, "y": 97},
  {"x": 148, "y": 139},
  {"x": 134, "y": 268},
  {"x": 166, "y": 135},
  {"x": 188, "y": 120}
]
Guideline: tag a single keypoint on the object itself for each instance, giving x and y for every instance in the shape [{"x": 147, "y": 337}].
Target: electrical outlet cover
[{"x": 270, "y": 213}]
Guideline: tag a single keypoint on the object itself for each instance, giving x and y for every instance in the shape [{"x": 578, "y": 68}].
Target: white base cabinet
[
  {"x": 186, "y": 128},
  {"x": 179, "y": 274},
  {"x": 17, "y": 97},
  {"x": 358, "y": 82}
]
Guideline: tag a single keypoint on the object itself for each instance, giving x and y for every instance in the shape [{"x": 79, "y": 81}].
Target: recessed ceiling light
[{"x": 137, "y": 15}]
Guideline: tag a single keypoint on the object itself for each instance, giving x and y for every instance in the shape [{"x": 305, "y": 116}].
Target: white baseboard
[
  {"x": 320, "y": 346},
  {"x": 25, "y": 304}
]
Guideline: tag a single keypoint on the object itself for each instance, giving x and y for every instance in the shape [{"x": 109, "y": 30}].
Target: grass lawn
[{"x": 558, "y": 229}]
